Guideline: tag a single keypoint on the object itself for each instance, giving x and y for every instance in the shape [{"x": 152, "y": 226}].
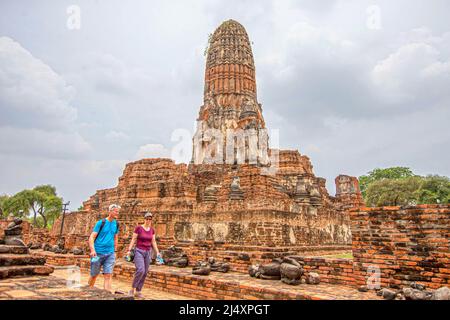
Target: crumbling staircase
[{"x": 16, "y": 261}]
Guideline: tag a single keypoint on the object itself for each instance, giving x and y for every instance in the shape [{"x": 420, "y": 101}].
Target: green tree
[
  {"x": 393, "y": 192},
  {"x": 3, "y": 199},
  {"x": 381, "y": 174},
  {"x": 434, "y": 189},
  {"x": 17, "y": 205},
  {"x": 205, "y": 52},
  {"x": 42, "y": 202},
  {"x": 400, "y": 186}
]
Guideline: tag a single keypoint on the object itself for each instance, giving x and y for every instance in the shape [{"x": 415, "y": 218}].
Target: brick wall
[
  {"x": 76, "y": 223},
  {"x": 36, "y": 235},
  {"x": 54, "y": 259},
  {"x": 257, "y": 227},
  {"x": 406, "y": 244},
  {"x": 333, "y": 271},
  {"x": 3, "y": 225},
  {"x": 241, "y": 258},
  {"x": 26, "y": 227},
  {"x": 76, "y": 229}
]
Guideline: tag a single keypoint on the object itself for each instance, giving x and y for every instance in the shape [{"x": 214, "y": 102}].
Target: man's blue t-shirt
[{"x": 105, "y": 239}]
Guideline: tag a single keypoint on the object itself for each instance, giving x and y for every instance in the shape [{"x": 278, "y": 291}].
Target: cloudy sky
[{"x": 354, "y": 85}]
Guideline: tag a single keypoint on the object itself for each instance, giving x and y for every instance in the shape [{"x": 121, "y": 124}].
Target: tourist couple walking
[{"x": 103, "y": 246}]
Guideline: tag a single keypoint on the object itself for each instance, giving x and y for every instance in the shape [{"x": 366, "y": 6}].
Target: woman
[{"x": 144, "y": 237}]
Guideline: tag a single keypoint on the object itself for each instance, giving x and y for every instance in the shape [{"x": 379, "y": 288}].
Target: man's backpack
[{"x": 102, "y": 225}]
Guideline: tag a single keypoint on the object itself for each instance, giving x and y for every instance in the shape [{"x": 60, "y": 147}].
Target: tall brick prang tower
[{"x": 231, "y": 127}]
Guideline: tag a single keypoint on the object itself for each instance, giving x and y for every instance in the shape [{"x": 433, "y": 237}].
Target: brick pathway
[
  {"x": 55, "y": 287},
  {"x": 47, "y": 288},
  {"x": 121, "y": 285}
]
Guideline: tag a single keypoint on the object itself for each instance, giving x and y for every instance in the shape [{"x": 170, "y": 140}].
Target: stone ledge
[
  {"x": 17, "y": 271},
  {"x": 58, "y": 259},
  {"x": 20, "y": 259},
  {"x": 13, "y": 249}
]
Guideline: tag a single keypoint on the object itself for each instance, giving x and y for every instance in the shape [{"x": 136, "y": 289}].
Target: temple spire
[
  {"x": 231, "y": 126},
  {"x": 230, "y": 68}
]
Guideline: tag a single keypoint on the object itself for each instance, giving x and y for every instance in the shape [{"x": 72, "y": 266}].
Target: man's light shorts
[{"x": 106, "y": 261}]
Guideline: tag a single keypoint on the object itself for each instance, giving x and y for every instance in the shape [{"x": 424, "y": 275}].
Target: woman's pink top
[{"x": 144, "y": 239}]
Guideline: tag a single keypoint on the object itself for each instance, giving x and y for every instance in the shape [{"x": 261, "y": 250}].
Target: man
[{"x": 103, "y": 243}]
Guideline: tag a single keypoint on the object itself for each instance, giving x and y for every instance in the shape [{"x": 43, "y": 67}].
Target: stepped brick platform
[
  {"x": 13, "y": 249},
  {"x": 233, "y": 285},
  {"x": 20, "y": 259},
  {"x": 15, "y": 261},
  {"x": 59, "y": 259},
  {"x": 18, "y": 271}
]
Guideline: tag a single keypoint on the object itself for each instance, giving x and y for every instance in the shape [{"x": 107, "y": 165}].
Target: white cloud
[
  {"x": 36, "y": 116},
  {"x": 117, "y": 135},
  {"x": 32, "y": 95},
  {"x": 109, "y": 168},
  {"x": 110, "y": 76},
  {"x": 75, "y": 179},
  {"x": 43, "y": 144},
  {"x": 413, "y": 71},
  {"x": 152, "y": 151}
]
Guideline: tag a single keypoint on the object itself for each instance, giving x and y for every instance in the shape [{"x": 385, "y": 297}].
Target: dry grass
[{"x": 345, "y": 255}]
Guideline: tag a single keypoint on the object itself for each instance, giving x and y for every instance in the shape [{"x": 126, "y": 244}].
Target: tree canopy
[
  {"x": 400, "y": 186},
  {"x": 434, "y": 189},
  {"x": 41, "y": 202},
  {"x": 3, "y": 198},
  {"x": 380, "y": 174}
]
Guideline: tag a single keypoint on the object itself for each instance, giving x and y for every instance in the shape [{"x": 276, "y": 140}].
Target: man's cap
[
  {"x": 148, "y": 214},
  {"x": 113, "y": 206}
]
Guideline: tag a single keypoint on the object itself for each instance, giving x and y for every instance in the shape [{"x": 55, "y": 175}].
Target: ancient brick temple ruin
[
  {"x": 236, "y": 191},
  {"x": 240, "y": 201}
]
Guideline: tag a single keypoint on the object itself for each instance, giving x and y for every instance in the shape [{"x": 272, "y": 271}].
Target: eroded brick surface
[{"x": 406, "y": 244}]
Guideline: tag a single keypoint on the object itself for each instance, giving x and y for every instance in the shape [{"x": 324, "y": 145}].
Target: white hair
[{"x": 113, "y": 206}]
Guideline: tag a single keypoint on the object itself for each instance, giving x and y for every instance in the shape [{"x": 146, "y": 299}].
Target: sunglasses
[{"x": 148, "y": 218}]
